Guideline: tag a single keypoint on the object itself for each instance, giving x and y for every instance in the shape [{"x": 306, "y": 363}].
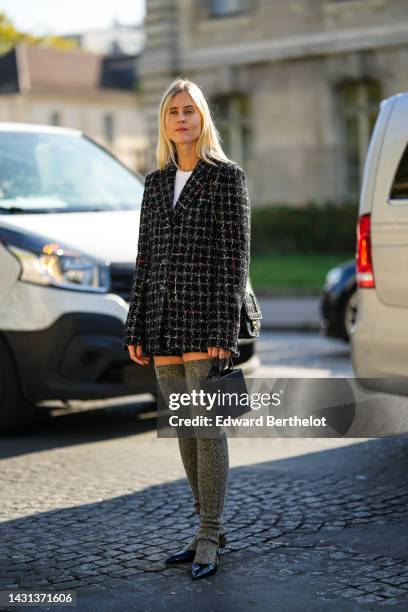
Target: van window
[
  {"x": 399, "y": 189},
  {"x": 42, "y": 172}
]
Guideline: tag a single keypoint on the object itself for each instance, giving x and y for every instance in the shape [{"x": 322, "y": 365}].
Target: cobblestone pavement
[{"x": 99, "y": 511}]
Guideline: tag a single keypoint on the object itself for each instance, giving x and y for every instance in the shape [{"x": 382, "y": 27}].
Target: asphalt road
[{"x": 294, "y": 353}]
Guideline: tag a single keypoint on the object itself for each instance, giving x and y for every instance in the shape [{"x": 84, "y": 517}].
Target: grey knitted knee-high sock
[
  {"x": 188, "y": 452},
  {"x": 213, "y": 471},
  {"x": 187, "y": 446}
]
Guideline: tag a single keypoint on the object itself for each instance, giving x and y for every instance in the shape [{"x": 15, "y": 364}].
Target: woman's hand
[
  {"x": 221, "y": 353},
  {"x": 135, "y": 352}
]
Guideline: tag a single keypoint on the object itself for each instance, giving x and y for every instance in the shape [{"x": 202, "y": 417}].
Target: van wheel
[
  {"x": 349, "y": 314},
  {"x": 15, "y": 411}
]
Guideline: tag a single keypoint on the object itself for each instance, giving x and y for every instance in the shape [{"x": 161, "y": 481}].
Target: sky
[{"x": 70, "y": 16}]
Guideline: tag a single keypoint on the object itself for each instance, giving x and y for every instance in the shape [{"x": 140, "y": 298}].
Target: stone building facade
[{"x": 294, "y": 85}]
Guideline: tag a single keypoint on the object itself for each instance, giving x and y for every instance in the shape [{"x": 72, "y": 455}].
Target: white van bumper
[{"x": 71, "y": 344}]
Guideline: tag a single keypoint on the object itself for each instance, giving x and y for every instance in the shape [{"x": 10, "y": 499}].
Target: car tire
[
  {"x": 15, "y": 411},
  {"x": 349, "y": 314}
]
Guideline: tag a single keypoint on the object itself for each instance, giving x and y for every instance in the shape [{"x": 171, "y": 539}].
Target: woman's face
[{"x": 183, "y": 120}]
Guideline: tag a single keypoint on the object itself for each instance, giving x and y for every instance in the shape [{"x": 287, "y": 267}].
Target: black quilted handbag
[
  {"x": 251, "y": 315},
  {"x": 230, "y": 381}
]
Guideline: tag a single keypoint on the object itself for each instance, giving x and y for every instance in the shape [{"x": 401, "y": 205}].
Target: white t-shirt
[{"x": 181, "y": 180}]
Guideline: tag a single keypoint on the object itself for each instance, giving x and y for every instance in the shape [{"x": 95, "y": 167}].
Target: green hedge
[{"x": 314, "y": 228}]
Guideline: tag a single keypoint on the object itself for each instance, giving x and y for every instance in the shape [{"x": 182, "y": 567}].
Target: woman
[{"x": 188, "y": 287}]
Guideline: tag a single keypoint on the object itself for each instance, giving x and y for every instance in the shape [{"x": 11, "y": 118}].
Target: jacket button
[{"x": 163, "y": 261}]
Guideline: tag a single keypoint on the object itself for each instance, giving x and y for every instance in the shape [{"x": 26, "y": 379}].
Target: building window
[
  {"x": 55, "y": 118},
  {"x": 222, "y": 8},
  {"x": 232, "y": 118},
  {"x": 108, "y": 130},
  {"x": 359, "y": 106}
]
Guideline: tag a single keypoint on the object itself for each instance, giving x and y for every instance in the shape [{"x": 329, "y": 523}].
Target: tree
[{"x": 10, "y": 36}]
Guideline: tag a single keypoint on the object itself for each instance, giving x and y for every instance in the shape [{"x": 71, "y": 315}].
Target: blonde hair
[{"x": 208, "y": 144}]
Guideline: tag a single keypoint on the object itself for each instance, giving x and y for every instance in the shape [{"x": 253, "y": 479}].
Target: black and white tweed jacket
[{"x": 197, "y": 254}]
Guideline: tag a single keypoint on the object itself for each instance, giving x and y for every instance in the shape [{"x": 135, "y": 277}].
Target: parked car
[
  {"x": 338, "y": 301},
  {"x": 379, "y": 340},
  {"x": 69, "y": 218}
]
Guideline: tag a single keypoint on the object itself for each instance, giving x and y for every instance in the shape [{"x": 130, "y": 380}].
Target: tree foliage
[{"x": 10, "y": 36}]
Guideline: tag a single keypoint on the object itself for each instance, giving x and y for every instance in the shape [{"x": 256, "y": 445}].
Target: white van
[
  {"x": 379, "y": 340},
  {"x": 69, "y": 219}
]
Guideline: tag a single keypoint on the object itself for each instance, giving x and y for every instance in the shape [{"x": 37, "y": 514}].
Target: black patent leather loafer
[
  {"x": 203, "y": 570},
  {"x": 182, "y": 556}
]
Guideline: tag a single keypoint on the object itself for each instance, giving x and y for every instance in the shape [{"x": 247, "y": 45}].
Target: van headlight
[{"x": 44, "y": 262}]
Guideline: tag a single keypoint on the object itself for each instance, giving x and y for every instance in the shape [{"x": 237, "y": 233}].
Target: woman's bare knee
[
  {"x": 166, "y": 359},
  {"x": 193, "y": 356}
]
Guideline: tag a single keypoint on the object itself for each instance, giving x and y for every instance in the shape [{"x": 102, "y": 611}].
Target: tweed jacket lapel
[{"x": 195, "y": 183}]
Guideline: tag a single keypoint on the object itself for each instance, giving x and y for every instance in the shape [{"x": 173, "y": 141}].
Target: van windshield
[{"x": 42, "y": 172}]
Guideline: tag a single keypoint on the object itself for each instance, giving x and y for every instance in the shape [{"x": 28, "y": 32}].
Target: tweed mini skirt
[{"x": 165, "y": 345}]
